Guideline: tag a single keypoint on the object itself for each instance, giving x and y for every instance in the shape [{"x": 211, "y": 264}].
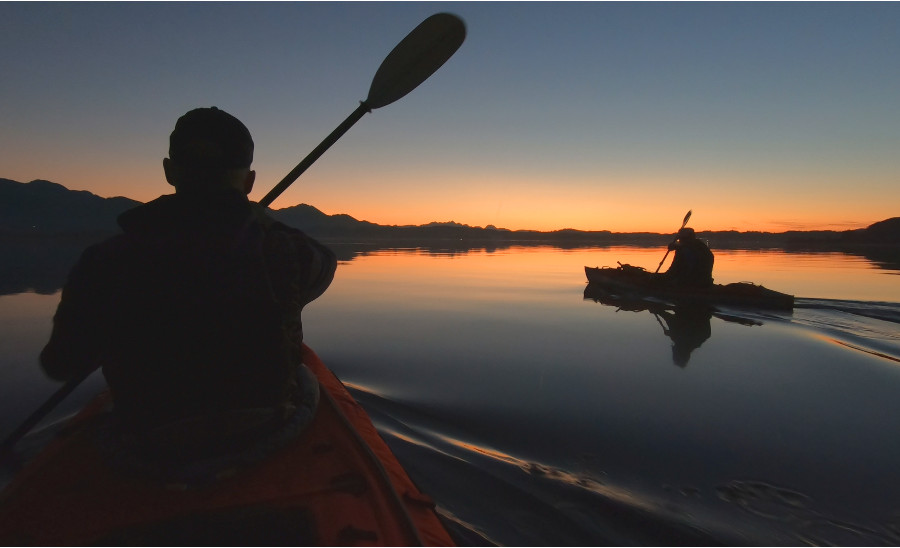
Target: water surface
[{"x": 536, "y": 415}]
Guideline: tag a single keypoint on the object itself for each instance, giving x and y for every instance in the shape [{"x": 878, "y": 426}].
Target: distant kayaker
[
  {"x": 693, "y": 262},
  {"x": 195, "y": 308}
]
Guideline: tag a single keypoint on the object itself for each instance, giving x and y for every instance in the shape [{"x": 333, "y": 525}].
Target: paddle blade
[
  {"x": 415, "y": 58},
  {"x": 686, "y": 218}
]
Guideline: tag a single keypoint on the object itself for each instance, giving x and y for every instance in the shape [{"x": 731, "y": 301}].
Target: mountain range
[{"x": 50, "y": 209}]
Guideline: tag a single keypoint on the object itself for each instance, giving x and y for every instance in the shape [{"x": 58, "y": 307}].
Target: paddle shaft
[
  {"x": 662, "y": 261},
  {"x": 314, "y": 155},
  {"x": 411, "y": 62},
  {"x": 683, "y": 224},
  {"x": 41, "y": 412}
]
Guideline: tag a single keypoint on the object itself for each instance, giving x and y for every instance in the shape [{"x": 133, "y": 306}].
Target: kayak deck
[
  {"x": 337, "y": 484},
  {"x": 637, "y": 282}
]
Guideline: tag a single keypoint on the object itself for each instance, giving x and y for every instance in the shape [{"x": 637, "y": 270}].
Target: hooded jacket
[
  {"x": 194, "y": 308},
  {"x": 692, "y": 265}
]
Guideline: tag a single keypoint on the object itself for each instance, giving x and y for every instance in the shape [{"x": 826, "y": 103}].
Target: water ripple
[{"x": 797, "y": 510}]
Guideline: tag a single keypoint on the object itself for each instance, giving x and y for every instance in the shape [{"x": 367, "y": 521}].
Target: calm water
[{"x": 537, "y": 416}]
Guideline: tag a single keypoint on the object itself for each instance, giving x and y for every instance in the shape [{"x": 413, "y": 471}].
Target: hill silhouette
[
  {"x": 885, "y": 232},
  {"x": 43, "y": 208},
  {"x": 44, "y": 227}
]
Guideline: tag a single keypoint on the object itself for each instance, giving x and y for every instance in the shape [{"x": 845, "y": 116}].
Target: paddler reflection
[{"x": 687, "y": 326}]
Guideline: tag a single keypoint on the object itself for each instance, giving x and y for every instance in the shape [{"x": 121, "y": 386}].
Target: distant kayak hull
[
  {"x": 637, "y": 282},
  {"x": 337, "y": 484}
]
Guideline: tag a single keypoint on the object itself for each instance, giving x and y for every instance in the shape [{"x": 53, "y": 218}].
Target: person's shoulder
[
  {"x": 282, "y": 234},
  {"x": 262, "y": 216},
  {"x": 99, "y": 261},
  {"x": 277, "y": 229},
  {"x": 273, "y": 226},
  {"x": 102, "y": 249}
]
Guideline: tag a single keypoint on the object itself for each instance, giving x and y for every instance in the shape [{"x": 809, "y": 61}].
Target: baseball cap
[{"x": 210, "y": 138}]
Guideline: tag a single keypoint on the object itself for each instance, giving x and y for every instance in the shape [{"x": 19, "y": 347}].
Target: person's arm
[
  {"x": 318, "y": 262},
  {"x": 322, "y": 264},
  {"x": 75, "y": 343}
]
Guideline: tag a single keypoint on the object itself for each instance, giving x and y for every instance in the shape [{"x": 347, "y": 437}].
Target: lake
[{"x": 535, "y": 414}]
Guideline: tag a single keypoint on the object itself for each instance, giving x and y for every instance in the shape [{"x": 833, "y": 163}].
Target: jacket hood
[{"x": 186, "y": 212}]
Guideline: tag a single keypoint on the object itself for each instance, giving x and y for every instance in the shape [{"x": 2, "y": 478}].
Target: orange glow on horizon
[
  {"x": 663, "y": 218},
  {"x": 639, "y": 206}
]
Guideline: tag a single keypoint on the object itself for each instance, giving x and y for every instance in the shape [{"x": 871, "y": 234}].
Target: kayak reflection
[{"x": 688, "y": 325}]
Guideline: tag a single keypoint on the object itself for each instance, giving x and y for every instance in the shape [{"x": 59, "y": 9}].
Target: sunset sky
[{"x": 588, "y": 115}]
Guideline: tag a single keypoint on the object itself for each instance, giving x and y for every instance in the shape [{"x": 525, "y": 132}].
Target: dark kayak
[
  {"x": 335, "y": 484},
  {"x": 636, "y": 282}
]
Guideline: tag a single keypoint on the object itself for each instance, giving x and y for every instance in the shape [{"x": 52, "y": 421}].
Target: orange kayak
[{"x": 336, "y": 484}]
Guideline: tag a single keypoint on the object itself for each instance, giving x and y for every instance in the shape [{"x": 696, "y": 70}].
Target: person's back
[
  {"x": 693, "y": 261},
  {"x": 195, "y": 308}
]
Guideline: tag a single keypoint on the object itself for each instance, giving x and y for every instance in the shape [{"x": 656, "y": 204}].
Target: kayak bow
[{"x": 336, "y": 484}]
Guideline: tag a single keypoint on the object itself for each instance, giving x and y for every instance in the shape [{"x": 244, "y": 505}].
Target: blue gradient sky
[{"x": 589, "y": 115}]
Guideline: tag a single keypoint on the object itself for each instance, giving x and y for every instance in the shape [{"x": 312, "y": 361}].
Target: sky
[{"x": 613, "y": 116}]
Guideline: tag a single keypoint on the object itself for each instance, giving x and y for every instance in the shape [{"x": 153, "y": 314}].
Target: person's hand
[{"x": 672, "y": 246}]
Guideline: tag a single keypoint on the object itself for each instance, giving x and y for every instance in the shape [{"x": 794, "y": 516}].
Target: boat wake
[
  {"x": 865, "y": 326},
  {"x": 885, "y": 311},
  {"x": 869, "y": 327},
  {"x": 491, "y": 497}
]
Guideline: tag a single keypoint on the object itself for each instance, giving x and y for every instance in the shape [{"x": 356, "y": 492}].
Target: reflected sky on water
[
  {"x": 504, "y": 350},
  {"x": 496, "y": 377}
]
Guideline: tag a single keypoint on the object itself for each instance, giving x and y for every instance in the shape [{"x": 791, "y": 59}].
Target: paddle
[
  {"x": 683, "y": 224},
  {"x": 39, "y": 414},
  {"x": 411, "y": 62}
]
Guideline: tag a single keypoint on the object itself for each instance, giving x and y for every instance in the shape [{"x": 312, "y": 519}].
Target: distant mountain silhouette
[
  {"x": 882, "y": 232},
  {"x": 44, "y": 227},
  {"x": 46, "y": 208},
  {"x": 314, "y": 222},
  {"x": 42, "y": 207}
]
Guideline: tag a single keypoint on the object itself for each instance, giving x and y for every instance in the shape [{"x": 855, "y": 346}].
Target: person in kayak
[
  {"x": 693, "y": 262},
  {"x": 194, "y": 309}
]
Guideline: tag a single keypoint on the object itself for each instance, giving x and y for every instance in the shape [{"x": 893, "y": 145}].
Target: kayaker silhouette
[
  {"x": 693, "y": 262},
  {"x": 194, "y": 310}
]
